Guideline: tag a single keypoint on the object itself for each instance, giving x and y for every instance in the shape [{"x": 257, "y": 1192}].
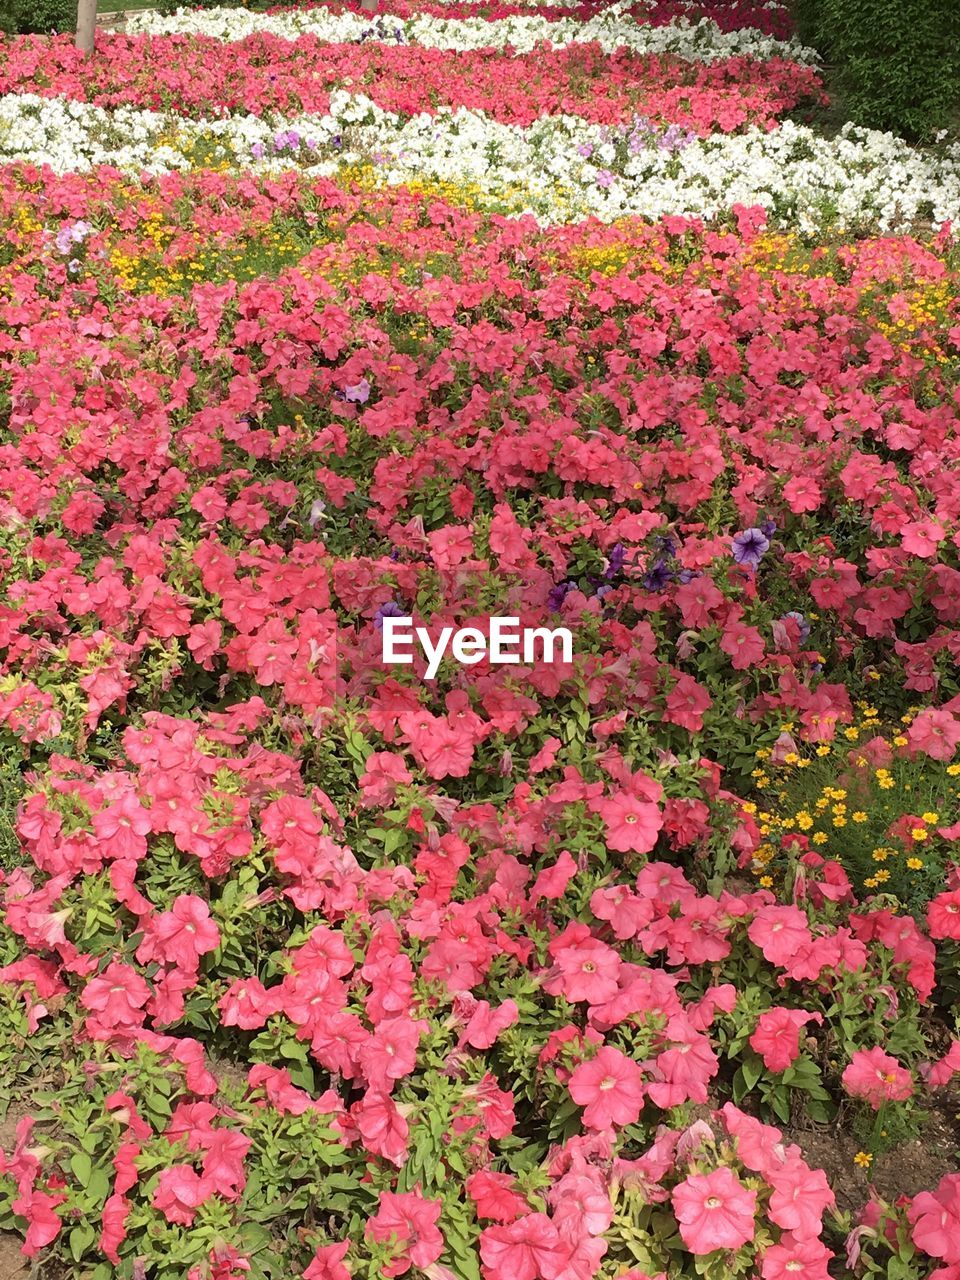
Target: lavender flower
[
  {"x": 359, "y": 393},
  {"x": 389, "y": 610},
  {"x": 749, "y": 547},
  {"x": 558, "y": 594}
]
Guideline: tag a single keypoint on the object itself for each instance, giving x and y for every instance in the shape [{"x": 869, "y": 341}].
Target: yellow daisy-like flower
[
  {"x": 823, "y": 749},
  {"x": 819, "y": 837},
  {"x": 803, "y": 820},
  {"x": 920, "y": 833},
  {"x": 864, "y": 1159},
  {"x": 766, "y": 882},
  {"x": 859, "y": 816},
  {"x": 930, "y": 818},
  {"x": 915, "y": 864}
]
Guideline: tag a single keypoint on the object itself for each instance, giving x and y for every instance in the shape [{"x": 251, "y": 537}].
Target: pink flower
[
  {"x": 877, "y": 1078},
  {"x": 935, "y": 732},
  {"x": 935, "y": 1216},
  {"x": 180, "y": 1191},
  {"x": 632, "y": 824},
  {"x": 117, "y": 997},
  {"x": 794, "y": 1259},
  {"x": 496, "y": 1196},
  {"x": 523, "y": 1250},
  {"x": 777, "y": 1036},
  {"x": 181, "y": 935},
  {"x": 610, "y": 1089},
  {"x": 327, "y": 1263},
  {"x": 943, "y": 915},
  {"x": 779, "y": 931},
  {"x": 411, "y": 1220},
  {"x": 800, "y": 1195},
  {"x": 715, "y": 1211},
  {"x": 586, "y": 970},
  {"x": 390, "y": 1052}
]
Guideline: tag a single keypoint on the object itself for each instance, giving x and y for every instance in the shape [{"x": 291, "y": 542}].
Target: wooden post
[{"x": 86, "y": 24}]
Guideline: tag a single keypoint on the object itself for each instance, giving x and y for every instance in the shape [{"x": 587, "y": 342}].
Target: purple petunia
[{"x": 749, "y": 547}]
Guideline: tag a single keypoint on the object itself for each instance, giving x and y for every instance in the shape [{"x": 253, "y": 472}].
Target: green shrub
[
  {"x": 44, "y": 16},
  {"x": 897, "y": 61},
  {"x": 806, "y": 14}
]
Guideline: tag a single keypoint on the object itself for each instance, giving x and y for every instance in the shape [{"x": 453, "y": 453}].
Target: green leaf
[
  {"x": 82, "y": 1167},
  {"x": 81, "y": 1238}
]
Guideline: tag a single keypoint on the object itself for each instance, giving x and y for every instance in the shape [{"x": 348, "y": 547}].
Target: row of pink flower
[
  {"x": 200, "y": 76},
  {"x": 217, "y": 470}
]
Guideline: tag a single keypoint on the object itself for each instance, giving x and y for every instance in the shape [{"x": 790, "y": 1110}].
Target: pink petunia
[
  {"x": 327, "y": 1263},
  {"x": 632, "y": 824},
  {"x": 179, "y": 1192},
  {"x": 610, "y": 1089},
  {"x": 943, "y": 916},
  {"x": 877, "y": 1078},
  {"x": 779, "y": 932},
  {"x": 523, "y": 1250},
  {"x": 777, "y": 1036},
  {"x": 715, "y": 1211},
  {"x": 935, "y": 1217},
  {"x": 935, "y": 732},
  {"x": 411, "y": 1221},
  {"x": 800, "y": 1196},
  {"x": 795, "y": 1259}
]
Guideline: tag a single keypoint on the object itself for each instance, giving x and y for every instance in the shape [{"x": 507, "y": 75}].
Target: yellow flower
[
  {"x": 859, "y": 816},
  {"x": 819, "y": 837},
  {"x": 899, "y": 740},
  {"x": 915, "y": 864},
  {"x": 863, "y": 1159},
  {"x": 803, "y": 820},
  {"x": 823, "y": 749},
  {"x": 920, "y": 833},
  {"x": 930, "y": 818},
  {"x": 766, "y": 882}
]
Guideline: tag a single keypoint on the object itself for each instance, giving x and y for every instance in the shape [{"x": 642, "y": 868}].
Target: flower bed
[{"x": 311, "y": 966}]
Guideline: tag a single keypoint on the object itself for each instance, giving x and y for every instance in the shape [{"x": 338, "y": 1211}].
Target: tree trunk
[{"x": 86, "y": 24}]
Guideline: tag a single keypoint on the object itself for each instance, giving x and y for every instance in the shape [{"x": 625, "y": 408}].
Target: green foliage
[
  {"x": 898, "y": 64},
  {"x": 44, "y": 16}
]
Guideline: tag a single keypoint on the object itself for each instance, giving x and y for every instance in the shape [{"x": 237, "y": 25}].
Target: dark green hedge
[
  {"x": 897, "y": 62},
  {"x": 40, "y": 16}
]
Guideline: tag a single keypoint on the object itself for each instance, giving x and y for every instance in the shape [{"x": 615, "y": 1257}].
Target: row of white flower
[
  {"x": 612, "y": 28},
  {"x": 561, "y": 168}
]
